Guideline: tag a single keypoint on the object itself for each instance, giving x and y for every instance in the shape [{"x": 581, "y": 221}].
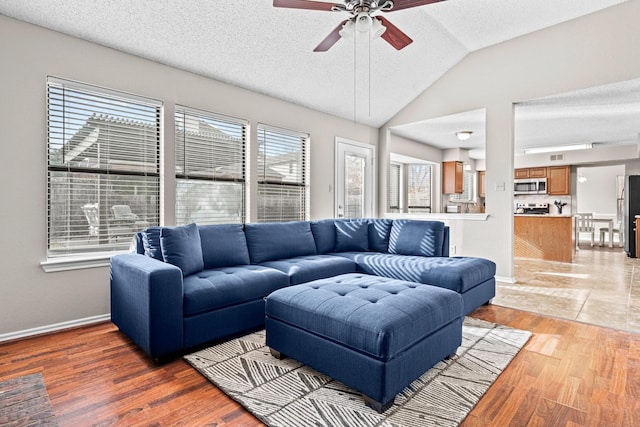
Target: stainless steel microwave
[{"x": 530, "y": 186}]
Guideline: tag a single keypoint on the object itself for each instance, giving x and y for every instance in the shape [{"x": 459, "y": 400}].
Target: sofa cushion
[
  {"x": 352, "y": 235},
  {"x": 324, "y": 234},
  {"x": 223, "y": 245},
  {"x": 279, "y": 240},
  {"x": 181, "y": 247},
  {"x": 456, "y": 273},
  {"x": 411, "y": 237},
  {"x": 229, "y": 286},
  {"x": 151, "y": 242},
  {"x": 379, "y": 231},
  {"x": 305, "y": 269}
]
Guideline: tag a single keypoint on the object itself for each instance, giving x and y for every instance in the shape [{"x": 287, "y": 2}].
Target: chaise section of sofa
[{"x": 188, "y": 285}]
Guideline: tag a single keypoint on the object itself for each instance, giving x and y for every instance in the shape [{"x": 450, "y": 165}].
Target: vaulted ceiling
[{"x": 253, "y": 45}]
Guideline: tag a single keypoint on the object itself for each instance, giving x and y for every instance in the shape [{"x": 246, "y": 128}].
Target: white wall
[
  {"x": 598, "y": 194},
  {"x": 596, "y": 49},
  {"x": 33, "y": 299}
]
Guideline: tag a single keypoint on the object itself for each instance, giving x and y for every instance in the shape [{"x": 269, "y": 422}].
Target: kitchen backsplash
[{"x": 543, "y": 198}]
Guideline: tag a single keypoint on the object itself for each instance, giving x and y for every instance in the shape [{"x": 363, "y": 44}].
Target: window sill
[{"x": 80, "y": 262}]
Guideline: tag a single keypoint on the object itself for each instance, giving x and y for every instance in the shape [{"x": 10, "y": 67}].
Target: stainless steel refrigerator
[{"x": 631, "y": 197}]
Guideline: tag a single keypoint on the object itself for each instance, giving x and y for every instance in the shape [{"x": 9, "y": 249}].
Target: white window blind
[
  {"x": 103, "y": 167},
  {"x": 468, "y": 188},
  {"x": 393, "y": 195},
  {"x": 210, "y": 167},
  {"x": 419, "y": 187},
  {"x": 283, "y": 175}
]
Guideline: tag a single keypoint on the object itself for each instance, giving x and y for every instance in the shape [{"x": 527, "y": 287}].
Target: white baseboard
[
  {"x": 54, "y": 328},
  {"x": 505, "y": 279}
]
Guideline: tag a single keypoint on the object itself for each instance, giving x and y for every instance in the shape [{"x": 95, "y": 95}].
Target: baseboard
[
  {"x": 54, "y": 328},
  {"x": 505, "y": 279}
]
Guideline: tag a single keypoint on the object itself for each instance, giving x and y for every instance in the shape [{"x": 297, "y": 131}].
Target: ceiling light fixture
[
  {"x": 552, "y": 149},
  {"x": 463, "y": 135},
  {"x": 361, "y": 24}
]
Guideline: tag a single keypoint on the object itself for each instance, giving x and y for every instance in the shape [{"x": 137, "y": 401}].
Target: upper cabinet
[
  {"x": 452, "y": 177},
  {"x": 481, "y": 184},
  {"x": 558, "y": 180},
  {"x": 530, "y": 173}
]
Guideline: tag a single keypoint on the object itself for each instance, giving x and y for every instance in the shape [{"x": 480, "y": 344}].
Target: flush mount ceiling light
[
  {"x": 552, "y": 149},
  {"x": 463, "y": 135}
]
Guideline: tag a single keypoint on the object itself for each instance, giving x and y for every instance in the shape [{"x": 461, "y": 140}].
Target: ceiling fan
[{"x": 362, "y": 18}]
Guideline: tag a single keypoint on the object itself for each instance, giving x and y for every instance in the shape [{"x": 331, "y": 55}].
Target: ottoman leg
[
  {"x": 377, "y": 406},
  {"x": 277, "y": 354}
]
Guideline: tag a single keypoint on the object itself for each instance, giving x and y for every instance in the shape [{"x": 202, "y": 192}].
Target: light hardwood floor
[{"x": 568, "y": 374}]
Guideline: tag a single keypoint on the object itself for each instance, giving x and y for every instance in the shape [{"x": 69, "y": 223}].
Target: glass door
[{"x": 354, "y": 179}]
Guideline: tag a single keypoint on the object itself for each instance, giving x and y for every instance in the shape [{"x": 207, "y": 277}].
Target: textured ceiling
[{"x": 253, "y": 45}]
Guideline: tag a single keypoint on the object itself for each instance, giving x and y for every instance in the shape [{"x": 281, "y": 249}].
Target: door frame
[{"x": 344, "y": 143}]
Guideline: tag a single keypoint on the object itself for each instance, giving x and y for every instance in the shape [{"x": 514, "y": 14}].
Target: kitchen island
[{"x": 547, "y": 237}]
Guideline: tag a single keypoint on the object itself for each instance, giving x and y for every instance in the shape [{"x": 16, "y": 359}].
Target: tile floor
[{"x": 601, "y": 287}]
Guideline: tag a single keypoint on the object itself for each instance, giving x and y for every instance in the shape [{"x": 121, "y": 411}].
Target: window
[
  {"x": 103, "y": 167},
  {"x": 468, "y": 188},
  {"x": 210, "y": 167},
  {"x": 283, "y": 189},
  {"x": 419, "y": 188},
  {"x": 393, "y": 197}
]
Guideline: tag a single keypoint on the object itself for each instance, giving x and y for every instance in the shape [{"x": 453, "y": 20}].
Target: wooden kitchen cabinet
[
  {"x": 482, "y": 188},
  {"x": 452, "y": 177},
  {"x": 558, "y": 180},
  {"x": 537, "y": 172},
  {"x": 521, "y": 173}
]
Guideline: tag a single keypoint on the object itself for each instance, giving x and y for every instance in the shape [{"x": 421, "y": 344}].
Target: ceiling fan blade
[
  {"x": 406, "y": 4},
  {"x": 304, "y": 4},
  {"x": 393, "y": 35},
  {"x": 331, "y": 39}
]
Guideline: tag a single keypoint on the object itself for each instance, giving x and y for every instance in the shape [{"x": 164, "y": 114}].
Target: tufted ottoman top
[{"x": 374, "y": 315}]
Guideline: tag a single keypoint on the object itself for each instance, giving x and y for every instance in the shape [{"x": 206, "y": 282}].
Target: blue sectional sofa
[{"x": 185, "y": 286}]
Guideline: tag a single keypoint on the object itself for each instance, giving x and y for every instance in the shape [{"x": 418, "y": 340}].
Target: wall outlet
[
  {"x": 500, "y": 186},
  {"x": 452, "y": 249}
]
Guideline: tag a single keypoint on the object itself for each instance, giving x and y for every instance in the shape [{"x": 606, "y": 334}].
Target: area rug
[
  {"x": 24, "y": 402},
  {"x": 287, "y": 393}
]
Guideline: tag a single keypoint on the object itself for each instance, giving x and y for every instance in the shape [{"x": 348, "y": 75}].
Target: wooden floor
[{"x": 568, "y": 374}]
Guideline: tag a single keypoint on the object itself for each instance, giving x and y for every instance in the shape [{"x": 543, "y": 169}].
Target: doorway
[{"x": 355, "y": 177}]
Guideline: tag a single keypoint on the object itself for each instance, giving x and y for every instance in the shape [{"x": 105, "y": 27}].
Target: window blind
[
  {"x": 210, "y": 167},
  {"x": 419, "y": 187},
  {"x": 283, "y": 187},
  {"x": 103, "y": 167},
  {"x": 393, "y": 195}
]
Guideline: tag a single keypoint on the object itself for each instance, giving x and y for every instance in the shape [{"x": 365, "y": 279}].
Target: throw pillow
[
  {"x": 352, "y": 236},
  {"x": 181, "y": 247}
]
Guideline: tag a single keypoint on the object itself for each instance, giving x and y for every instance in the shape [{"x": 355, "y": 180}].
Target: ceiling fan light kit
[{"x": 362, "y": 20}]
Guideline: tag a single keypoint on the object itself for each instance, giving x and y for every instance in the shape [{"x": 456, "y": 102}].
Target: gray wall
[
  {"x": 596, "y": 49},
  {"x": 33, "y": 299}
]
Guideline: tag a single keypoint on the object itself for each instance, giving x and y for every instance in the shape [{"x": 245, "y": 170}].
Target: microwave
[{"x": 530, "y": 186}]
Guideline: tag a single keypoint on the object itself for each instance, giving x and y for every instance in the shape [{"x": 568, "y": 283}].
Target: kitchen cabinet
[
  {"x": 539, "y": 172},
  {"x": 558, "y": 180},
  {"x": 452, "y": 177},
  {"x": 547, "y": 237},
  {"x": 481, "y": 184}
]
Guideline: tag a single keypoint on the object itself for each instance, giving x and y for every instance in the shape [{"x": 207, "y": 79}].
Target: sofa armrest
[
  {"x": 445, "y": 242},
  {"x": 146, "y": 303}
]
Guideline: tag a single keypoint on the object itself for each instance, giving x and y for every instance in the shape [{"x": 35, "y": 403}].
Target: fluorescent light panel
[{"x": 552, "y": 149}]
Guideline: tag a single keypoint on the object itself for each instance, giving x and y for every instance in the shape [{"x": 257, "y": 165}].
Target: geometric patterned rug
[
  {"x": 24, "y": 402},
  {"x": 286, "y": 393}
]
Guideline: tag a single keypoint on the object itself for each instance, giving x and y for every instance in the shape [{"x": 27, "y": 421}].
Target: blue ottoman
[{"x": 374, "y": 334}]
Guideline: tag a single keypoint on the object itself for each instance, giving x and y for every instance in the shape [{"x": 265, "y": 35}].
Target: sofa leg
[
  {"x": 277, "y": 354},
  {"x": 451, "y": 356},
  {"x": 377, "y": 406},
  {"x": 488, "y": 302}
]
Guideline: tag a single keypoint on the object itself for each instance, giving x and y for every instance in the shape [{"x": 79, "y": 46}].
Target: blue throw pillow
[
  {"x": 151, "y": 243},
  {"x": 223, "y": 245},
  {"x": 324, "y": 234},
  {"x": 379, "y": 231},
  {"x": 352, "y": 236},
  {"x": 269, "y": 241},
  {"x": 412, "y": 237},
  {"x": 181, "y": 247}
]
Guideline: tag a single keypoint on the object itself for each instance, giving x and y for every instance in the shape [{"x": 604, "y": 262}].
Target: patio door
[{"x": 355, "y": 163}]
